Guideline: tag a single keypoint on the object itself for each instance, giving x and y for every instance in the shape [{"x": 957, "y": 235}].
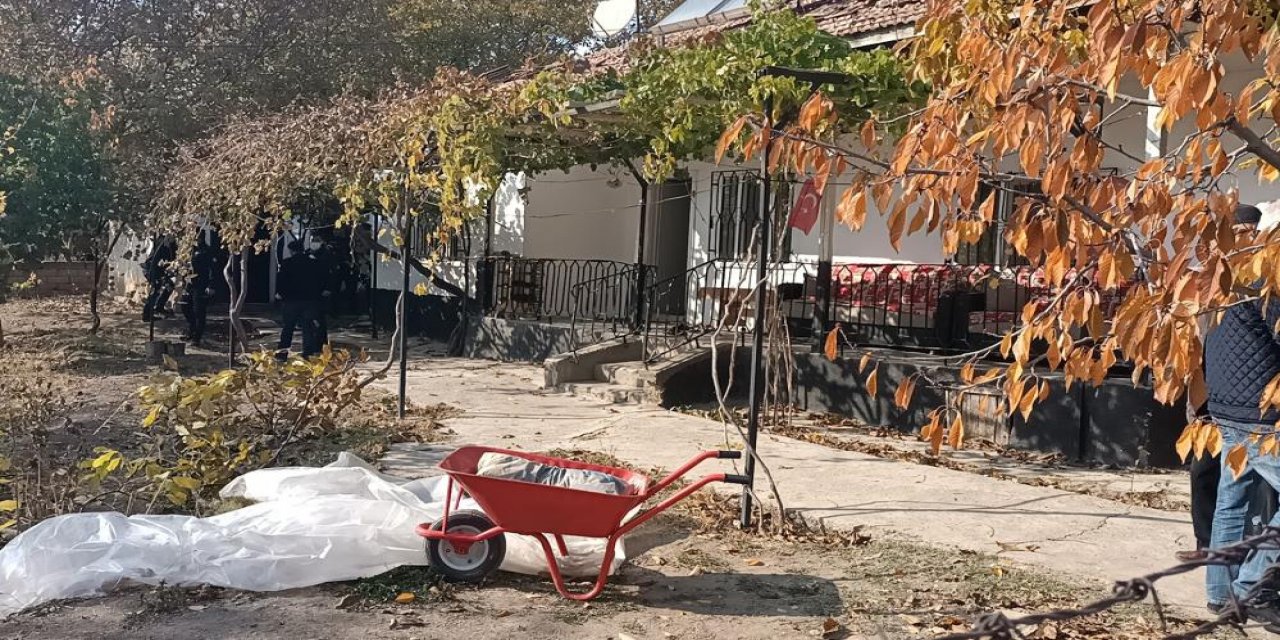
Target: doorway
[{"x": 667, "y": 245}]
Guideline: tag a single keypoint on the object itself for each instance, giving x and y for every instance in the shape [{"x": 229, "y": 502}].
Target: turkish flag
[{"x": 805, "y": 213}]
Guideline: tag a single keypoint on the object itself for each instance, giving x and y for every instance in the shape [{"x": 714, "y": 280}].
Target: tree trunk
[
  {"x": 100, "y": 259},
  {"x": 236, "y": 295},
  {"x": 95, "y": 321}
]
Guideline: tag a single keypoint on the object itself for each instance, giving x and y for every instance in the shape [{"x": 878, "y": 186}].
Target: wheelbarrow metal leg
[{"x": 558, "y": 579}]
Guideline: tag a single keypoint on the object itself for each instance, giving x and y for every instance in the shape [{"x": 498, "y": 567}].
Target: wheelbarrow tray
[{"x": 530, "y": 508}]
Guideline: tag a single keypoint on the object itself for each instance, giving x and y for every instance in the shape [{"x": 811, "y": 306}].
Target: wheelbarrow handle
[
  {"x": 733, "y": 478},
  {"x": 729, "y": 455}
]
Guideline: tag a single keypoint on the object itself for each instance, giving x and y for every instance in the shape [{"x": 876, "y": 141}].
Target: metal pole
[
  {"x": 826, "y": 251},
  {"x": 151, "y": 325},
  {"x": 763, "y": 239},
  {"x": 484, "y": 266},
  {"x": 374, "y": 259},
  {"x": 231, "y": 309},
  {"x": 406, "y": 254}
]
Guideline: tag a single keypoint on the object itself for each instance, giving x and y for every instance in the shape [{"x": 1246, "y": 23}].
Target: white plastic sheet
[{"x": 308, "y": 526}]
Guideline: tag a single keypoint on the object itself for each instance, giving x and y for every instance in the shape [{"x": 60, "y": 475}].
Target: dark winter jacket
[
  {"x": 302, "y": 278},
  {"x": 1242, "y": 355}
]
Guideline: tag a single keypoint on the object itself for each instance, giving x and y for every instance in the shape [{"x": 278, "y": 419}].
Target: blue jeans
[{"x": 1237, "y": 508}]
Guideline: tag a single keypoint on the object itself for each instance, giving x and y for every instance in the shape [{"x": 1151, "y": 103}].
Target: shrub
[{"x": 205, "y": 430}]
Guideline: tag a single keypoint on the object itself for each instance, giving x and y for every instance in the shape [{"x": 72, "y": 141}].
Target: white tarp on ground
[{"x": 309, "y": 526}]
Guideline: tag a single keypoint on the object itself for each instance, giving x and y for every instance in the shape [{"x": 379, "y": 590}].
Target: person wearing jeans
[
  {"x": 1241, "y": 357},
  {"x": 1237, "y": 513}
]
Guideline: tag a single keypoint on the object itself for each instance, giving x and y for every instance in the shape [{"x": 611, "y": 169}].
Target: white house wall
[
  {"x": 1130, "y": 135},
  {"x": 582, "y": 214},
  {"x": 508, "y": 236}
]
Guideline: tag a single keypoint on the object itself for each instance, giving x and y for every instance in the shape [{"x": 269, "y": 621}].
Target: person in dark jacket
[
  {"x": 300, "y": 287},
  {"x": 1206, "y": 474},
  {"x": 199, "y": 290},
  {"x": 325, "y": 266},
  {"x": 159, "y": 279},
  {"x": 1242, "y": 356}
]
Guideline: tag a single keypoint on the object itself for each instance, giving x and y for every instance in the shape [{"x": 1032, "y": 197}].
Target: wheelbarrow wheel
[{"x": 466, "y": 563}]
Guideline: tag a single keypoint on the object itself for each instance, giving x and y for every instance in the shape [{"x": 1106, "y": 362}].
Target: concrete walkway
[{"x": 1071, "y": 533}]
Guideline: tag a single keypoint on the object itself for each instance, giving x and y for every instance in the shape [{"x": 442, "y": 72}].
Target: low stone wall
[
  {"x": 521, "y": 340},
  {"x": 52, "y": 278},
  {"x": 1116, "y": 423}
]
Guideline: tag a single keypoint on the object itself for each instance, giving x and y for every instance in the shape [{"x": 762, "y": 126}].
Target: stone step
[
  {"x": 623, "y": 374},
  {"x": 604, "y": 391}
]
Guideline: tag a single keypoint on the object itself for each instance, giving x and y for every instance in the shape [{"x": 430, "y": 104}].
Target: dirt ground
[
  {"x": 686, "y": 578},
  {"x": 678, "y": 584}
]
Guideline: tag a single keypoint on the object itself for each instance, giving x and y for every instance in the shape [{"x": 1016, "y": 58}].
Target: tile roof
[
  {"x": 845, "y": 18},
  {"x": 855, "y": 17}
]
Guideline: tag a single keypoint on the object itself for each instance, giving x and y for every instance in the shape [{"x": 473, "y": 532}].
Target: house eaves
[
  {"x": 864, "y": 23},
  {"x": 720, "y": 18}
]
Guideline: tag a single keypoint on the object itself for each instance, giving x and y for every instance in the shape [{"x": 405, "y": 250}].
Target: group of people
[
  {"x": 159, "y": 269},
  {"x": 1241, "y": 356},
  {"x": 309, "y": 276}
]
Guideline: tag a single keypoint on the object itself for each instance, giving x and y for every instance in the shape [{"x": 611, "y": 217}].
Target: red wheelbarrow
[{"x": 466, "y": 546}]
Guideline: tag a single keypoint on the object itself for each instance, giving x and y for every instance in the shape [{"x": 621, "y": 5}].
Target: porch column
[
  {"x": 822, "y": 288},
  {"x": 641, "y": 272},
  {"x": 1156, "y": 143},
  {"x": 484, "y": 267}
]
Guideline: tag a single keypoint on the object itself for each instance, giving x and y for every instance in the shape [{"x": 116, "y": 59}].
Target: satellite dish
[{"x": 612, "y": 17}]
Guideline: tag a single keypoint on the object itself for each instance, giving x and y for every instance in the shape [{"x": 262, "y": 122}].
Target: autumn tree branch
[{"x": 1253, "y": 142}]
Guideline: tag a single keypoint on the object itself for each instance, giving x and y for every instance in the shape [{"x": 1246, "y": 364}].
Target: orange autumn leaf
[
  {"x": 729, "y": 136},
  {"x": 1237, "y": 460},
  {"x": 831, "y": 346},
  {"x": 1186, "y": 441},
  {"x": 902, "y": 396},
  {"x": 955, "y": 435},
  {"x": 852, "y": 209}
]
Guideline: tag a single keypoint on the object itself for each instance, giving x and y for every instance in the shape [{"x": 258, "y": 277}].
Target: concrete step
[
  {"x": 623, "y": 374},
  {"x": 604, "y": 391}
]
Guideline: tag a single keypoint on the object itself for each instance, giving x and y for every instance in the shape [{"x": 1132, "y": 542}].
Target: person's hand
[{"x": 279, "y": 297}]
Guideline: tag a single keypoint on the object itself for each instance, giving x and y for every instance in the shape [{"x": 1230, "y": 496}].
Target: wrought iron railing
[
  {"x": 608, "y": 303},
  {"x": 940, "y": 306},
  {"x": 715, "y": 296},
  {"x": 929, "y": 306},
  {"x": 543, "y": 288},
  {"x": 933, "y": 306}
]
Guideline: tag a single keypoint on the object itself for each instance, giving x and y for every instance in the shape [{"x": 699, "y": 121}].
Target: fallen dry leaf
[
  {"x": 406, "y": 597},
  {"x": 400, "y": 623},
  {"x": 830, "y": 627},
  {"x": 754, "y": 562}
]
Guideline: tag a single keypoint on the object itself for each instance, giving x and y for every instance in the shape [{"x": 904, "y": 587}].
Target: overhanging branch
[{"x": 1253, "y": 142}]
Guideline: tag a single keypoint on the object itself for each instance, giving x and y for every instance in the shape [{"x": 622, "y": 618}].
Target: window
[
  {"x": 992, "y": 247},
  {"x": 735, "y": 211}
]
